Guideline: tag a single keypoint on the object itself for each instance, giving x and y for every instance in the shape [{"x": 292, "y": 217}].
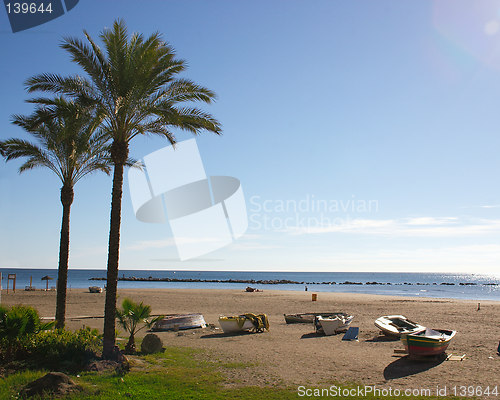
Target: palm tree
[
  {"x": 131, "y": 316},
  {"x": 135, "y": 83},
  {"x": 69, "y": 146}
]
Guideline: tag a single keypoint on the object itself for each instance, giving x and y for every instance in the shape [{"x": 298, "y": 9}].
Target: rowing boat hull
[
  {"x": 308, "y": 318},
  {"x": 420, "y": 344},
  {"x": 332, "y": 325},
  {"x": 397, "y": 325},
  {"x": 230, "y": 325},
  {"x": 180, "y": 322}
]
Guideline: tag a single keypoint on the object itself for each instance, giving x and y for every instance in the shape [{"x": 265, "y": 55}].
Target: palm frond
[{"x": 67, "y": 140}]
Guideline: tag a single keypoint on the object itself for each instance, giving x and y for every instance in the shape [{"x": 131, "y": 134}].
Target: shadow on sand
[
  {"x": 312, "y": 335},
  {"x": 404, "y": 366},
  {"x": 383, "y": 338},
  {"x": 225, "y": 335}
]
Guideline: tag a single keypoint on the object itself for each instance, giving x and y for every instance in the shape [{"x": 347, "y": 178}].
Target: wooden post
[{"x": 11, "y": 277}]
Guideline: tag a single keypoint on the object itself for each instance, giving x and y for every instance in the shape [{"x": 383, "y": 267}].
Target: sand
[{"x": 293, "y": 355}]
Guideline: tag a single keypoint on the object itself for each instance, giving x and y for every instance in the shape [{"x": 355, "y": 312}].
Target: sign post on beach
[{"x": 11, "y": 277}]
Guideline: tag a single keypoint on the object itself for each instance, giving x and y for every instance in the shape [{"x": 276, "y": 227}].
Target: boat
[
  {"x": 397, "y": 325},
  {"x": 95, "y": 289},
  {"x": 430, "y": 342},
  {"x": 244, "y": 323},
  {"x": 332, "y": 324},
  {"x": 179, "y": 322},
  {"x": 308, "y": 318}
]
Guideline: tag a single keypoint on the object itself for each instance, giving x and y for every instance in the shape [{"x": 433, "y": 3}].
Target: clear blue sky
[{"x": 391, "y": 102}]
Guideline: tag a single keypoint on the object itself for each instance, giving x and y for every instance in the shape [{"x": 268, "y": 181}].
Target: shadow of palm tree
[{"x": 404, "y": 366}]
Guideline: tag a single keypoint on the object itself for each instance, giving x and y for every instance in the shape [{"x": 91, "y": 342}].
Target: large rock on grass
[
  {"x": 151, "y": 344},
  {"x": 55, "y": 383}
]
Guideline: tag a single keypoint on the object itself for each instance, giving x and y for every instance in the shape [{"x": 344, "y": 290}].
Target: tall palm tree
[
  {"x": 134, "y": 82},
  {"x": 68, "y": 144}
]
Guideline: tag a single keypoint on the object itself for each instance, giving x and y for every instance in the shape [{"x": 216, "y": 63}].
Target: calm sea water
[{"x": 402, "y": 284}]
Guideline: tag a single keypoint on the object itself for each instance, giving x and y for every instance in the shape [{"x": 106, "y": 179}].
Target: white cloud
[{"x": 408, "y": 227}]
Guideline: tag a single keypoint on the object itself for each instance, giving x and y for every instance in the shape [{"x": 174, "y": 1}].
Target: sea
[{"x": 436, "y": 285}]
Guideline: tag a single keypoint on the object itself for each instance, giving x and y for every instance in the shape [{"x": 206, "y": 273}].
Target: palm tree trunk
[
  {"x": 119, "y": 154},
  {"x": 130, "y": 347},
  {"x": 67, "y": 196}
]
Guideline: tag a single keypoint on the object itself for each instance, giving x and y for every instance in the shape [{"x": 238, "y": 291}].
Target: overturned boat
[
  {"x": 245, "y": 322},
  {"x": 179, "y": 322},
  {"x": 397, "y": 325},
  {"x": 429, "y": 342},
  {"x": 330, "y": 325}
]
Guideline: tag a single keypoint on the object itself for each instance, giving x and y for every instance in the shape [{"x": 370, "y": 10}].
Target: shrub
[
  {"x": 63, "y": 349},
  {"x": 25, "y": 339},
  {"x": 17, "y": 324}
]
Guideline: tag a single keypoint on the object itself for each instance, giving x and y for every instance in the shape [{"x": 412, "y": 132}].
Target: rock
[
  {"x": 56, "y": 383},
  {"x": 151, "y": 344},
  {"x": 102, "y": 365}
]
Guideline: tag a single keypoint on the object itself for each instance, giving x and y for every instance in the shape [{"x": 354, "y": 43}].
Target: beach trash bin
[{"x": 314, "y": 296}]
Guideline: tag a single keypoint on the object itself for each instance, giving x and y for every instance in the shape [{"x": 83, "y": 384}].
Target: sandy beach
[{"x": 293, "y": 354}]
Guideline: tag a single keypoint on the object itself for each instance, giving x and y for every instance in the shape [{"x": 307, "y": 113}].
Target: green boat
[{"x": 430, "y": 342}]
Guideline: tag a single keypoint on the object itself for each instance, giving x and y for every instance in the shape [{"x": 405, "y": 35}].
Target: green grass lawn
[{"x": 178, "y": 373}]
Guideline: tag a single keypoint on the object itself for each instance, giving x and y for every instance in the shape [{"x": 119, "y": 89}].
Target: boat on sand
[
  {"x": 397, "y": 325},
  {"x": 244, "y": 323},
  {"x": 179, "y": 322},
  {"x": 308, "y": 318},
  {"x": 430, "y": 342},
  {"x": 331, "y": 325}
]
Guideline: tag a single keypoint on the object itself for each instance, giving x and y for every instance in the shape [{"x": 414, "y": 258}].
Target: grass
[{"x": 179, "y": 373}]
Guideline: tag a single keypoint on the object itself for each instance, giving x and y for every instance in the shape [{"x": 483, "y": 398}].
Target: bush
[
  {"x": 17, "y": 325},
  {"x": 24, "y": 339},
  {"x": 62, "y": 349}
]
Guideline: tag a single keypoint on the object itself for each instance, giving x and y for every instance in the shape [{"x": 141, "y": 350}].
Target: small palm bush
[
  {"x": 131, "y": 317},
  {"x": 17, "y": 324}
]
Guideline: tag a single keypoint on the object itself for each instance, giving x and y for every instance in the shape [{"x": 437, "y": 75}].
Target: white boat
[
  {"x": 397, "y": 325},
  {"x": 179, "y": 322},
  {"x": 244, "y": 323},
  {"x": 334, "y": 324},
  {"x": 95, "y": 289}
]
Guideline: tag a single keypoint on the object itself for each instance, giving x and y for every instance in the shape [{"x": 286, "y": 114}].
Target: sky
[{"x": 365, "y": 135}]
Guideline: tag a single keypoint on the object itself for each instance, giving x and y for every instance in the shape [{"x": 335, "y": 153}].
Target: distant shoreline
[
  {"x": 286, "y": 282},
  {"x": 459, "y": 286}
]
